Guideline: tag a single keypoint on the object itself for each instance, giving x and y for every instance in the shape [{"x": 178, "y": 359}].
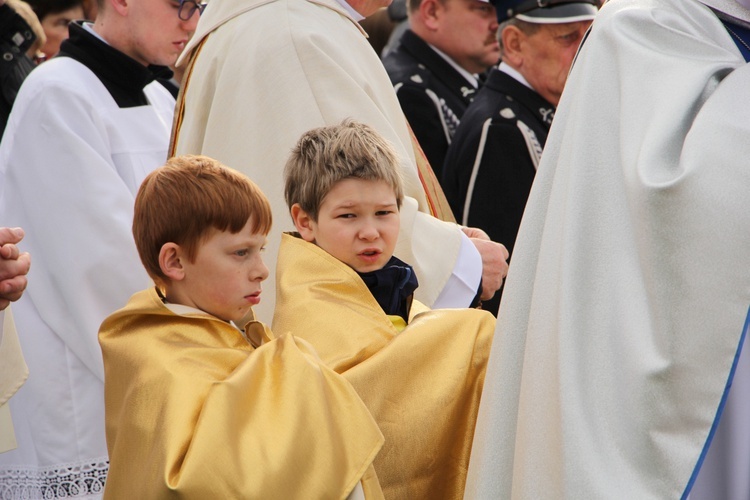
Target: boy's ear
[
  {"x": 303, "y": 222},
  {"x": 170, "y": 263}
]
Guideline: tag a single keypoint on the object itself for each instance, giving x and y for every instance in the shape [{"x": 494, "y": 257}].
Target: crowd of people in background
[{"x": 373, "y": 166}]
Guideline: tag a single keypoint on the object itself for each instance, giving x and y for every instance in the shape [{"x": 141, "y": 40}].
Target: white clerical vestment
[
  {"x": 626, "y": 306},
  {"x": 71, "y": 162}
]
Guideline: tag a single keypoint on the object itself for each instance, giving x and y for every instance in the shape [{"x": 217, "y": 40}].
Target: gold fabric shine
[
  {"x": 194, "y": 411},
  {"x": 422, "y": 386}
]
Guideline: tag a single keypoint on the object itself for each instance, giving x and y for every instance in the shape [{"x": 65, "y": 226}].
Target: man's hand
[
  {"x": 494, "y": 261},
  {"x": 14, "y": 266}
]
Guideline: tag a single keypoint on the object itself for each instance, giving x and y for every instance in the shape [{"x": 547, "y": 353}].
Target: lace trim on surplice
[{"x": 69, "y": 481}]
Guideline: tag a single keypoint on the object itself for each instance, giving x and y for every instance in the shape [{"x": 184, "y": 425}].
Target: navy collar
[
  {"x": 440, "y": 68},
  {"x": 393, "y": 287},
  {"x": 502, "y": 82},
  {"x": 740, "y": 36}
]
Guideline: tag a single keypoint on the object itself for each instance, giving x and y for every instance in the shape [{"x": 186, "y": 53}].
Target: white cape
[{"x": 625, "y": 306}]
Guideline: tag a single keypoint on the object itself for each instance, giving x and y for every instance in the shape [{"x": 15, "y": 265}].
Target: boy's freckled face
[
  {"x": 225, "y": 279},
  {"x": 358, "y": 223}
]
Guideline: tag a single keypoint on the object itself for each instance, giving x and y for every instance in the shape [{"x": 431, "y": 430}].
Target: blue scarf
[{"x": 393, "y": 287}]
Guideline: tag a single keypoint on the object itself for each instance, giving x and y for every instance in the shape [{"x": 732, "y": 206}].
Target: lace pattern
[{"x": 70, "y": 481}]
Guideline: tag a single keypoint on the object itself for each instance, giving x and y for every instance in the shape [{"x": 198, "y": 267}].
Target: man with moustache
[
  {"x": 262, "y": 73},
  {"x": 86, "y": 128},
  {"x": 493, "y": 158},
  {"x": 437, "y": 65}
]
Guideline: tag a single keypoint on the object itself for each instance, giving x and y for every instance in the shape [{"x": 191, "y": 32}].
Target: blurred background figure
[
  {"x": 55, "y": 16},
  {"x": 21, "y": 39},
  {"x": 399, "y": 17},
  {"x": 493, "y": 157},
  {"x": 379, "y": 27},
  {"x": 90, "y": 9},
  {"x": 435, "y": 68}
]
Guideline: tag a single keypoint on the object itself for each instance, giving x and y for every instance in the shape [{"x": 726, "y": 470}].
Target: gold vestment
[
  {"x": 422, "y": 385},
  {"x": 194, "y": 411}
]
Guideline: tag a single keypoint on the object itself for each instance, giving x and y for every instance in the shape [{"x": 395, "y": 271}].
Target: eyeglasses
[{"x": 188, "y": 8}]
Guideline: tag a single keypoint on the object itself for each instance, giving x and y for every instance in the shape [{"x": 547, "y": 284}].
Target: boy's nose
[
  {"x": 368, "y": 232},
  {"x": 259, "y": 272}
]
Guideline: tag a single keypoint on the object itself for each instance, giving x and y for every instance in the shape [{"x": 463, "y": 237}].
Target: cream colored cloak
[
  {"x": 13, "y": 373},
  {"x": 422, "y": 385},
  {"x": 264, "y": 72},
  {"x": 625, "y": 307},
  {"x": 194, "y": 411}
]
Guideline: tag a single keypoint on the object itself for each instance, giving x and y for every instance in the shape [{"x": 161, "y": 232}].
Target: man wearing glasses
[{"x": 85, "y": 129}]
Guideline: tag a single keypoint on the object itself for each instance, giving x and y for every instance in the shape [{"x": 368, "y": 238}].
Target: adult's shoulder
[
  {"x": 405, "y": 64},
  {"x": 645, "y": 20},
  {"x": 59, "y": 74},
  {"x": 490, "y": 104},
  {"x": 273, "y": 19}
]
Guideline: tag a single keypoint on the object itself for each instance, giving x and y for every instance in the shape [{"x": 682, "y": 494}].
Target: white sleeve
[
  {"x": 447, "y": 263},
  {"x": 463, "y": 283}
]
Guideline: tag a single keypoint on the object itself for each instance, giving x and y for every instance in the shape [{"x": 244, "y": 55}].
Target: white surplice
[{"x": 71, "y": 162}]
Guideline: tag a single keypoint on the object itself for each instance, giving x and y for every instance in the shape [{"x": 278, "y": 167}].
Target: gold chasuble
[
  {"x": 422, "y": 385},
  {"x": 194, "y": 411}
]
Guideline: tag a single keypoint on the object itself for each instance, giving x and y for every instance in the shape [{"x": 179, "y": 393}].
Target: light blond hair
[{"x": 327, "y": 155}]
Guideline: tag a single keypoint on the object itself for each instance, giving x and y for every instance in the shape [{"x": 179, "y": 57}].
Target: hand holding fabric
[
  {"x": 14, "y": 266},
  {"x": 494, "y": 261}
]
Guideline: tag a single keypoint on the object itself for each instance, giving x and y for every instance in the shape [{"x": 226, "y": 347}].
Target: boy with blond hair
[
  {"x": 420, "y": 372},
  {"x": 198, "y": 406}
]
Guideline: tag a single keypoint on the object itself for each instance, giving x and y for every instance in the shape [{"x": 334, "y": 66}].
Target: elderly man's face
[
  {"x": 547, "y": 56},
  {"x": 467, "y": 31}
]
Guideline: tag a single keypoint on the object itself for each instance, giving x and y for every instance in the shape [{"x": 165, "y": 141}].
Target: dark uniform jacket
[
  {"x": 16, "y": 37},
  {"x": 432, "y": 94},
  {"x": 492, "y": 161}
]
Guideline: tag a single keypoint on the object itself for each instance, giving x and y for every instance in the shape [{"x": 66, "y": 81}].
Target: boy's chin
[
  {"x": 244, "y": 317},
  {"x": 363, "y": 269}
]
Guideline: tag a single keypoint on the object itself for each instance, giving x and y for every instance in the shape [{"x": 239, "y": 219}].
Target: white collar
[
  {"x": 88, "y": 26},
  {"x": 183, "y": 310},
  {"x": 505, "y": 68},
  {"x": 355, "y": 15},
  {"x": 472, "y": 79}
]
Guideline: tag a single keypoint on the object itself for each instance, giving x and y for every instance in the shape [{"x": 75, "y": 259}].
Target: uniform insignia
[
  {"x": 466, "y": 91},
  {"x": 448, "y": 118},
  {"x": 416, "y": 79},
  {"x": 507, "y": 113},
  {"x": 532, "y": 142},
  {"x": 547, "y": 115}
]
